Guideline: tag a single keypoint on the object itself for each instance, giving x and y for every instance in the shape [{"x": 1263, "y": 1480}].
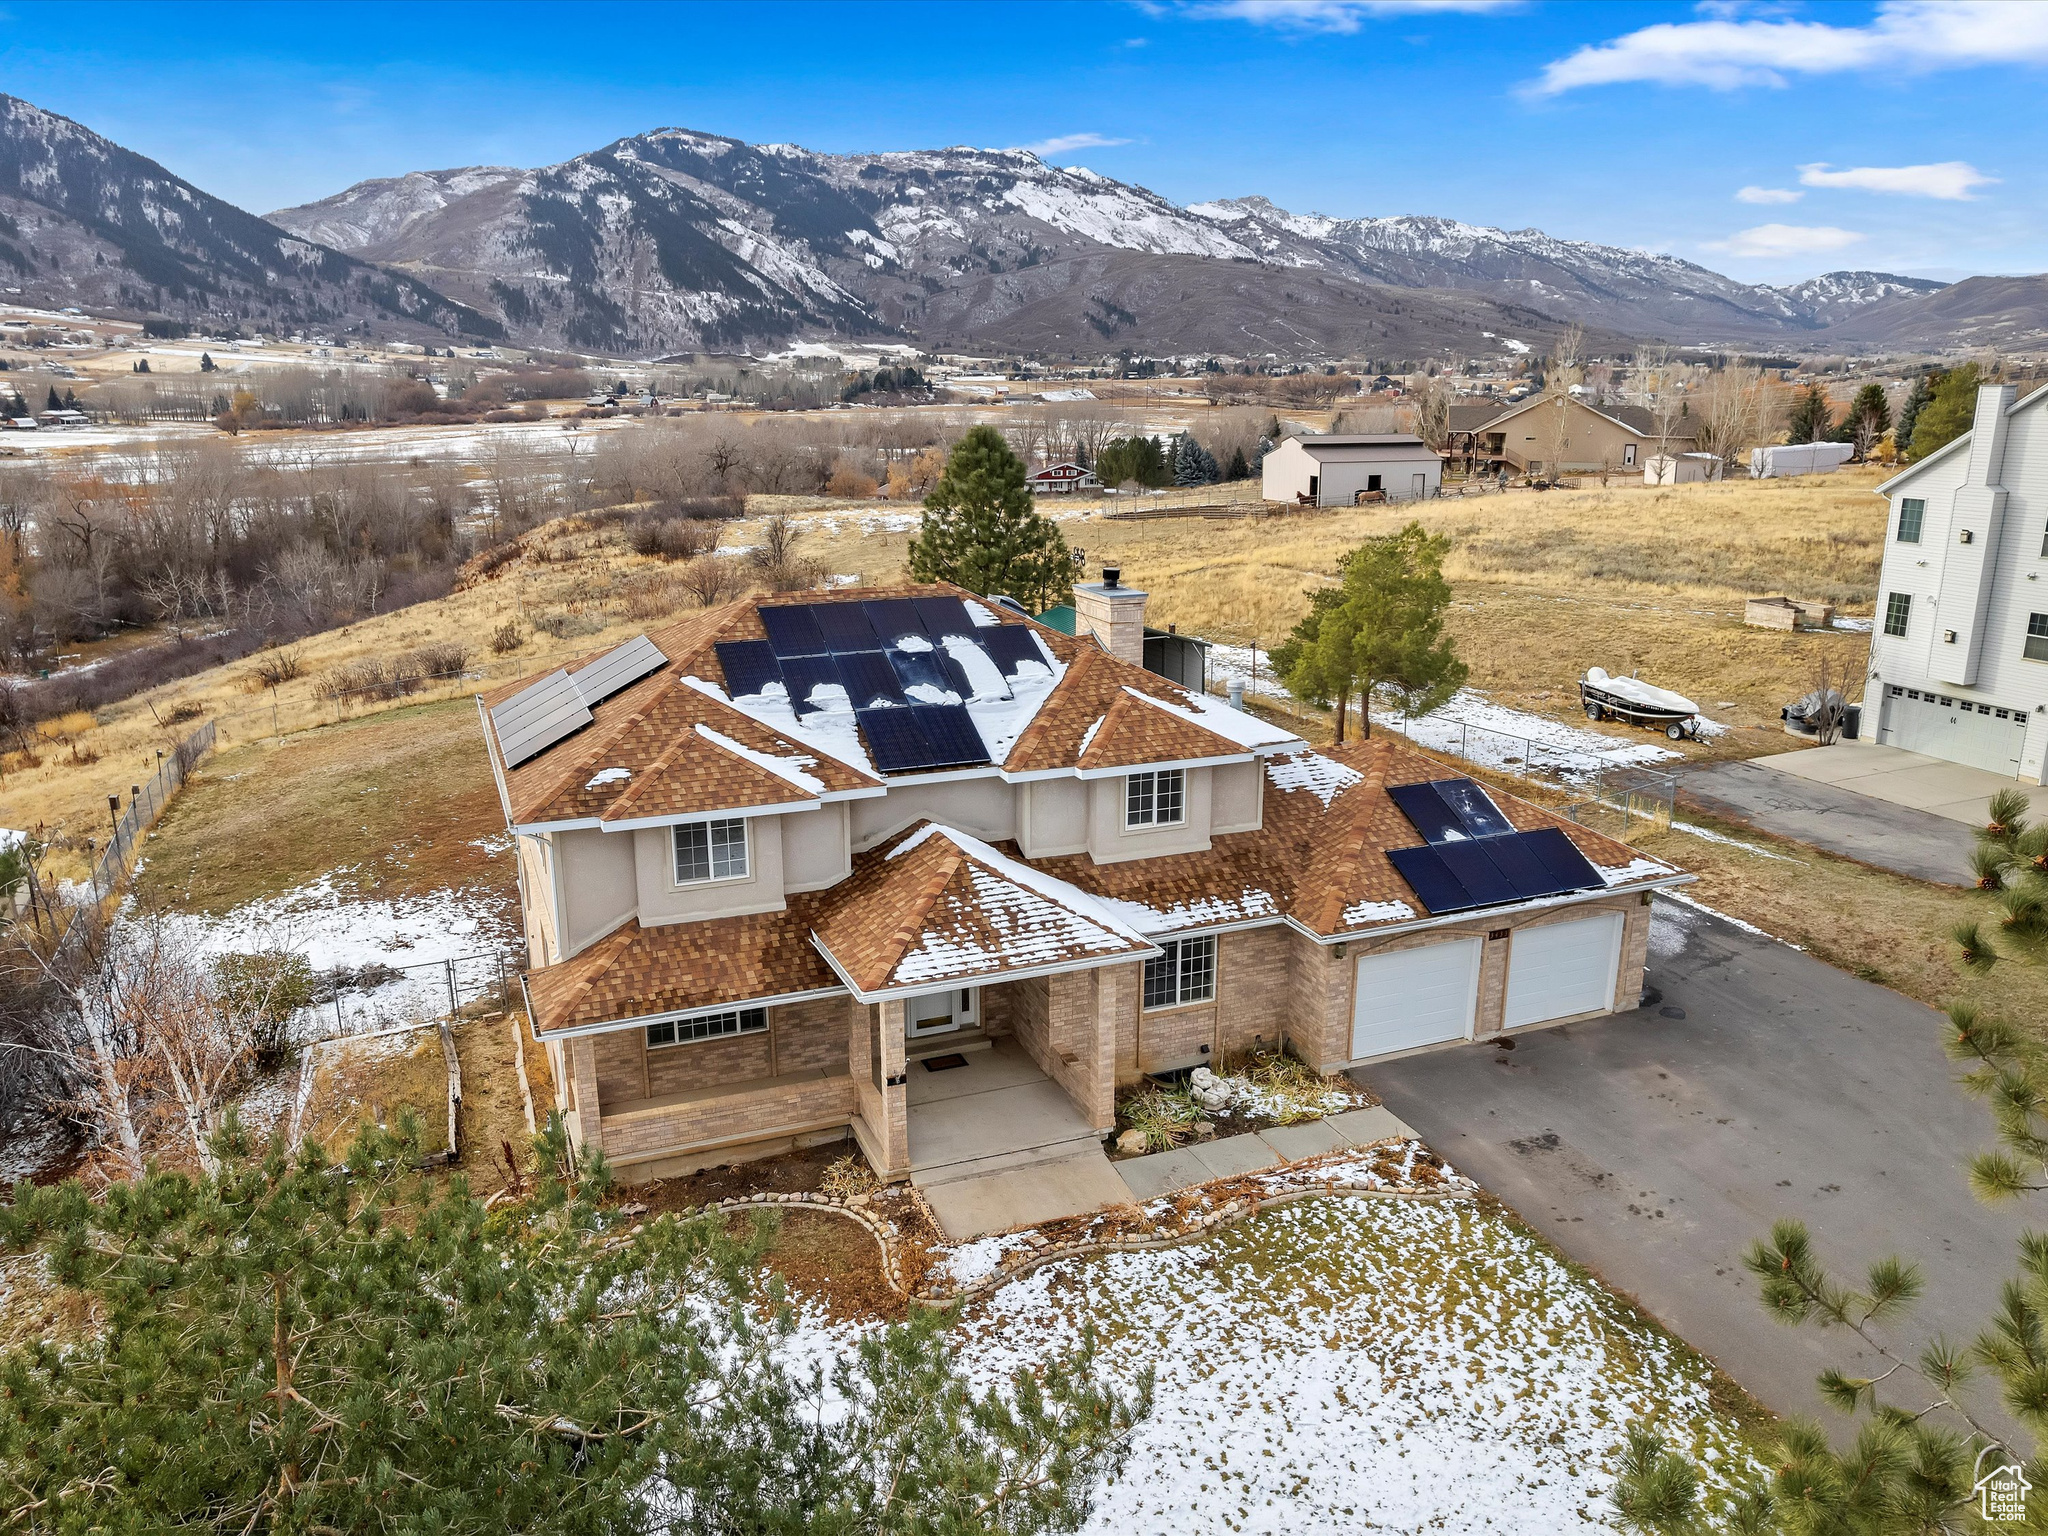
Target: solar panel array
[
  {"x": 1474, "y": 857},
  {"x": 543, "y": 713},
  {"x": 895, "y": 662}
]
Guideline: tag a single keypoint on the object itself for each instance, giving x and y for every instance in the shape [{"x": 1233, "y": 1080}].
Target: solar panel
[
  {"x": 869, "y": 679},
  {"x": 844, "y": 627},
  {"x": 806, "y": 673},
  {"x": 1436, "y": 887},
  {"x": 924, "y": 667},
  {"x": 895, "y": 740},
  {"x": 749, "y": 666},
  {"x": 791, "y": 630},
  {"x": 618, "y": 668},
  {"x": 892, "y": 618},
  {"x": 1481, "y": 877},
  {"x": 1528, "y": 874},
  {"x": 1562, "y": 858},
  {"x": 538, "y": 716},
  {"x": 1473, "y": 807},
  {"x": 992, "y": 685},
  {"x": 1009, "y": 644},
  {"x": 950, "y": 729},
  {"x": 944, "y": 616},
  {"x": 1423, "y": 806}
]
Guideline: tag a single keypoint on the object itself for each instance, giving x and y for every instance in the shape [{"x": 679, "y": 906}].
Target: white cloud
[
  {"x": 1952, "y": 180},
  {"x": 1334, "y": 15},
  {"x": 1067, "y": 143},
  {"x": 1785, "y": 240},
  {"x": 1905, "y": 36},
  {"x": 1768, "y": 195}
]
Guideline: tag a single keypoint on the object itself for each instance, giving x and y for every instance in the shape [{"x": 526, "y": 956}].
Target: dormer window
[
  {"x": 1156, "y": 799},
  {"x": 711, "y": 850}
]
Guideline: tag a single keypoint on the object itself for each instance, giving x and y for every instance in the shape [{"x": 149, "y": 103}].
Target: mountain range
[{"x": 675, "y": 240}]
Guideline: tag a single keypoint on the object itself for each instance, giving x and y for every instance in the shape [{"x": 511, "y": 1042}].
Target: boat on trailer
[{"x": 1635, "y": 702}]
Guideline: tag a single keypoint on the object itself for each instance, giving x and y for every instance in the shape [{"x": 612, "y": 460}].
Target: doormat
[{"x": 944, "y": 1063}]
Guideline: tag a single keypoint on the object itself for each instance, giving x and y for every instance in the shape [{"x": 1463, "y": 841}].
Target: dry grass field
[{"x": 1545, "y": 584}]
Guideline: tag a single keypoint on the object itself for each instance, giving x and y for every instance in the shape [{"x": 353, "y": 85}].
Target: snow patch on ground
[
  {"x": 1245, "y": 664},
  {"x": 1670, "y": 926},
  {"x": 1492, "y": 735},
  {"x": 1341, "y": 1365},
  {"x": 1730, "y": 842}
]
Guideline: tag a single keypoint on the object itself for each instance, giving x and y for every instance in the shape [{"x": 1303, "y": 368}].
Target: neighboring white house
[
  {"x": 1681, "y": 468},
  {"x": 1334, "y": 470},
  {"x": 1782, "y": 459},
  {"x": 1959, "y": 650}
]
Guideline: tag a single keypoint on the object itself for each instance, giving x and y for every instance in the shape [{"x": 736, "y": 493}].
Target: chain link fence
[
  {"x": 145, "y": 804},
  {"x": 371, "y": 999},
  {"x": 1627, "y": 803}
]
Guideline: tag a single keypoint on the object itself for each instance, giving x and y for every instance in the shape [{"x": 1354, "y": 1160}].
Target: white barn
[
  {"x": 1336, "y": 469},
  {"x": 1959, "y": 649}
]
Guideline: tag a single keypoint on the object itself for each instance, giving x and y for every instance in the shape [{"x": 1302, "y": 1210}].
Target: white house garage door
[
  {"x": 1980, "y": 735},
  {"x": 1560, "y": 969},
  {"x": 1414, "y": 997}
]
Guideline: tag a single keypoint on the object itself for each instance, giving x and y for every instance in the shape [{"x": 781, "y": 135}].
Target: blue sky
[{"x": 1770, "y": 141}]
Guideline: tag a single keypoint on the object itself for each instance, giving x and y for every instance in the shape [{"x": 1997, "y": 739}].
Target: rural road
[{"x": 1655, "y": 1146}]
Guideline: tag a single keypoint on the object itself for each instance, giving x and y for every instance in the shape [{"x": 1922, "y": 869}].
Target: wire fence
[
  {"x": 1567, "y": 759},
  {"x": 375, "y": 998},
  {"x": 1627, "y": 804},
  {"x": 145, "y": 804}
]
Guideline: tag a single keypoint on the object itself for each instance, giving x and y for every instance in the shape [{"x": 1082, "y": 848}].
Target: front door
[{"x": 942, "y": 1013}]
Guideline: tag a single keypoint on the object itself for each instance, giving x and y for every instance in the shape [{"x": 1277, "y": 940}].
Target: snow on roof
[
  {"x": 1203, "y": 912},
  {"x": 1247, "y": 730},
  {"x": 832, "y": 733},
  {"x": 789, "y": 768},
  {"x": 1323, "y": 777}
]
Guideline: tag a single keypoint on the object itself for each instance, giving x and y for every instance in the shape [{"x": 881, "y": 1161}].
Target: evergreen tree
[
  {"x": 1916, "y": 402},
  {"x": 206, "y": 362},
  {"x": 982, "y": 531},
  {"x": 1192, "y": 463},
  {"x": 1951, "y": 407},
  {"x": 1380, "y": 631},
  {"x": 1239, "y": 469},
  {"x": 55, "y": 404},
  {"x": 285, "y": 1345},
  {"x": 1811, "y": 416}
]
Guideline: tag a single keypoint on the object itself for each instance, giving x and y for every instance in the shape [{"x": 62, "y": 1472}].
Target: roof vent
[{"x": 1111, "y": 575}]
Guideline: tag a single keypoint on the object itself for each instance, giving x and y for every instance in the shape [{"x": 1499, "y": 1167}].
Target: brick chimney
[{"x": 1113, "y": 613}]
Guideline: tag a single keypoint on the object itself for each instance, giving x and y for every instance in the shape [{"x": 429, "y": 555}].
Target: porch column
[
  {"x": 583, "y": 1119},
  {"x": 1116, "y": 991},
  {"x": 875, "y": 1060}
]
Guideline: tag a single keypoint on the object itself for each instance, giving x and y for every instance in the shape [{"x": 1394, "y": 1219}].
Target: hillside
[
  {"x": 86, "y": 223},
  {"x": 677, "y": 239}
]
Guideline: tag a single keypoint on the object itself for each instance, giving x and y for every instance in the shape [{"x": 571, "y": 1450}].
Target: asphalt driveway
[
  {"x": 1655, "y": 1146},
  {"x": 1900, "y": 838}
]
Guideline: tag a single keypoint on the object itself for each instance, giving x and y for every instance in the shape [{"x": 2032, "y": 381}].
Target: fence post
[{"x": 452, "y": 1004}]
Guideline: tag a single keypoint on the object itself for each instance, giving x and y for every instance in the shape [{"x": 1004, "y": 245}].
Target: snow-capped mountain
[
  {"x": 86, "y": 223},
  {"x": 1834, "y": 297}
]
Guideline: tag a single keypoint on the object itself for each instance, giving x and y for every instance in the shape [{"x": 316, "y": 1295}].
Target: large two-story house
[
  {"x": 782, "y": 859},
  {"x": 1959, "y": 659}
]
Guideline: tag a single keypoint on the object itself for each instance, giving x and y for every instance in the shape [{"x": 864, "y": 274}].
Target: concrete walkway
[
  {"x": 1763, "y": 795},
  {"x": 996, "y": 1144},
  {"x": 1165, "y": 1173}
]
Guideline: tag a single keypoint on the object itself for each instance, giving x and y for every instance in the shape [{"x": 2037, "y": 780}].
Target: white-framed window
[
  {"x": 708, "y": 1026},
  {"x": 1628, "y": 455},
  {"x": 1156, "y": 799},
  {"x": 711, "y": 850},
  {"x": 1185, "y": 973},
  {"x": 1898, "y": 611}
]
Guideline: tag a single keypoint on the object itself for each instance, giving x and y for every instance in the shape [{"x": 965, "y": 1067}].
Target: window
[
  {"x": 1912, "y": 512},
  {"x": 1186, "y": 973},
  {"x": 711, "y": 850},
  {"x": 2037, "y": 637},
  {"x": 1155, "y": 799},
  {"x": 1897, "y": 608},
  {"x": 1628, "y": 455},
  {"x": 708, "y": 1026}
]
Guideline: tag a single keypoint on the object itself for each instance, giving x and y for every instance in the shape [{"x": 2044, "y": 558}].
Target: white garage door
[
  {"x": 1980, "y": 735},
  {"x": 1414, "y": 997},
  {"x": 1561, "y": 969}
]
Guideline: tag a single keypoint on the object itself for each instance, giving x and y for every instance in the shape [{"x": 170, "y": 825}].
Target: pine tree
[
  {"x": 1192, "y": 463},
  {"x": 982, "y": 531},
  {"x": 206, "y": 362},
  {"x": 1951, "y": 407},
  {"x": 1239, "y": 469},
  {"x": 286, "y": 1345},
  {"x": 55, "y": 404},
  {"x": 1916, "y": 402},
  {"x": 1811, "y": 416},
  {"x": 1380, "y": 631}
]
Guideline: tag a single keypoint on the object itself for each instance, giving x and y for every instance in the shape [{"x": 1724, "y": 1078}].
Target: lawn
[{"x": 1343, "y": 1365}]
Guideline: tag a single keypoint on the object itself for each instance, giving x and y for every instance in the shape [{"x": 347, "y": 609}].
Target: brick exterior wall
[
  {"x": 778, "y": 1108},
  {"x": 1067, "y": 1025},
  {"x": 881, "y": 1123}
]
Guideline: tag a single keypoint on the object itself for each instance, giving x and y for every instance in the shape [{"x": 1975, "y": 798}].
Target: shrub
[
  {"x": 1165, "y": 1117},
  {"x": 264, "y": 990},
  {"x": 506, "y": 638},
  {"x": 275, "y": 668},
  {"x": 186, "y": 711}
]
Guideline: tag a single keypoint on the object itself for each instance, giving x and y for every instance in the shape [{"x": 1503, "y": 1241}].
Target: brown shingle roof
[{"x": 936, "y": 908}]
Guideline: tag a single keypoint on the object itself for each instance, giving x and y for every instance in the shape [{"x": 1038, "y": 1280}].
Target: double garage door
[
  {"x": 1957, "y": 730},
  {"x": 1429, "y": 995}
]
